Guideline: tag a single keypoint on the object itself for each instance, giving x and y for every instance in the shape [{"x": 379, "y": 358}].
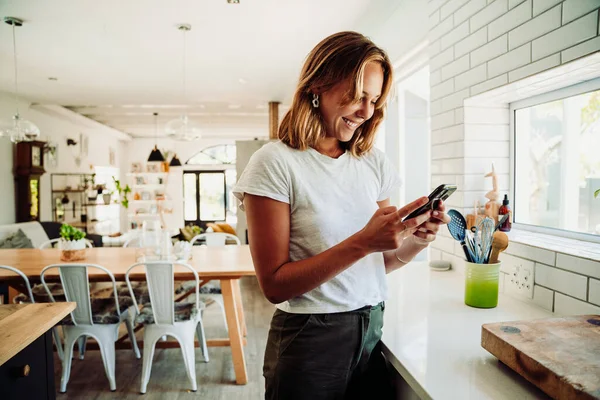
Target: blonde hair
[{"x": 337, "y": 58}]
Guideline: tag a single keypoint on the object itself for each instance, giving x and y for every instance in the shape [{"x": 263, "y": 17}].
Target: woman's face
[{"x": 341, "y": 121}]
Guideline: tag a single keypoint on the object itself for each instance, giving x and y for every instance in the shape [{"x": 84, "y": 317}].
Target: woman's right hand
[{"x": 386, "y": 231}]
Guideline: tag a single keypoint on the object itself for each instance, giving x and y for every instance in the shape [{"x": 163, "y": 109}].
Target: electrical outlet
[{"x": 520, "y": 276}]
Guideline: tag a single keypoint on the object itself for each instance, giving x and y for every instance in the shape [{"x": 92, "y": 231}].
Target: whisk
[{"x": 486, "y": 228}]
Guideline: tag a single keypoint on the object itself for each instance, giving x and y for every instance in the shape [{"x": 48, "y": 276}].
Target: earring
[{"x": 315, "y": 100}]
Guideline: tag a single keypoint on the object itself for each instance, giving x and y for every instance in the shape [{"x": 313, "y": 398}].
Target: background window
[
  {"x": 204, "y": 197},
  {"x": 557, "y": 162}
]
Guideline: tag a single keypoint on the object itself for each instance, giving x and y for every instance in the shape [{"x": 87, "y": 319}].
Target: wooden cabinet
[
  {"x": 28, "y": 168},
  {"x": 30, "y": 373},
  {"x": 26, "y": 352}
]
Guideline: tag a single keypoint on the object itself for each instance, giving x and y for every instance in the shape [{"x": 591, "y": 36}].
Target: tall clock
[{"x": 28, "y": 169}]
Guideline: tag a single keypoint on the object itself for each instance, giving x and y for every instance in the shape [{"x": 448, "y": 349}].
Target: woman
[{"x": 321, "y": 229}]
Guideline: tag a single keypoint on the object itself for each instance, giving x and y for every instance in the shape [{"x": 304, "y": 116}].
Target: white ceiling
[{"x": 119, "y": 61}]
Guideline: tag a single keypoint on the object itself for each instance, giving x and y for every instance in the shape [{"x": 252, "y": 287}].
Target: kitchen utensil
[
  {"x": 499, "y": 243},
  {"x": 558, "y": 355},
  {"x": 457, "y": 226},
  {"x": 469, "y": 241},
  {"x": 476, "y": 243},
  {"x": 486, "y": 229},
  {"x": 501, "y": 221}
]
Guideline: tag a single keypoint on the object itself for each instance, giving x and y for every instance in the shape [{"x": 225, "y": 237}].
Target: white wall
[
  {"x": 402, "y": 30},
  {"x": 56, "y": 128},
  {"x": 479, "y": 45}
]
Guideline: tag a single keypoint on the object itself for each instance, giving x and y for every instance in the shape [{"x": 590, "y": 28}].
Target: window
[
  {"x": 557, "y": 160},
  {"x": 204, "y": 198},
  {"x": 219, "y": 154}
]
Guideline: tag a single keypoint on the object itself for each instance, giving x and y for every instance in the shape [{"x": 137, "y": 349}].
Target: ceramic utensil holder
[{"x": 481, "y": 284}]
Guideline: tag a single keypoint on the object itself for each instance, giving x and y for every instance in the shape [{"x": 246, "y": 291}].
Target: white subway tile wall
[
  {"x": 594, "y": 292},
  {"x": 543, "y": 297},
  {"x": 561, "y": 281},
  {"x": 478, "y": 45},
  {"x": 565, "y": 305}
]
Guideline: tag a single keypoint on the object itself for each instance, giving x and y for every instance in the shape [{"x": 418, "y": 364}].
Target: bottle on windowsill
[{"x": 505, "y": 209}]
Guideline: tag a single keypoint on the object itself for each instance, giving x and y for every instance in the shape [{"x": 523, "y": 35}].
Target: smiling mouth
[{"x": 350, "y": 124}]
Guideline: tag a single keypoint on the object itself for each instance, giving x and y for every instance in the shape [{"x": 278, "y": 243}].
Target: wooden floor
[{"x": 168, "y": 380}]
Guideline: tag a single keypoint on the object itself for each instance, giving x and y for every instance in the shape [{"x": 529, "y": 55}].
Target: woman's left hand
[{"x": 427, "y": 231}]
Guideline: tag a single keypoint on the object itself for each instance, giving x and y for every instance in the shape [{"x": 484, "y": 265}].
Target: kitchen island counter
[{"x": 433, "y": 339}]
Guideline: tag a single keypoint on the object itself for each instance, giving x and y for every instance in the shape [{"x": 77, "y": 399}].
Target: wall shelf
[
  {"x": 68, "y": 190},
  {"x": 79, "y": 207}
]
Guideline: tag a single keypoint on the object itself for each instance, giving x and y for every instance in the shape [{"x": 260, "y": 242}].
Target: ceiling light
[
  {"x": 182, "y": 128},
  {"x": 175, "y": 162},
  {"x": 242, "y": 81},
  {"x": 155, "y": 154},
  {"x": 22, "y": 130},
  {"x": 233, "y": 1},
  {"x": 52, "y": 78}
]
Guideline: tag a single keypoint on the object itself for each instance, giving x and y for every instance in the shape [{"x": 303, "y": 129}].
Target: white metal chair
[
  {"x": 51, "y": 242},
  {"x": 163, "y": 316},
  {"x": 215, "y": 238},
  {"x": 31, "y": 299},
  {"x": 95, "y": 317},
  {"x": 134, "y": 242},
  {"x": 212, "y": 290}
]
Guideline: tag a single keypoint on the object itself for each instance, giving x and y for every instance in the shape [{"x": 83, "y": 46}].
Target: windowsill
[{"x": 568, "y": 246}]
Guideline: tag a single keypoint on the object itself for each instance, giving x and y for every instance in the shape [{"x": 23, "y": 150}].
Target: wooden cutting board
[{"x": 561, "y": 356}]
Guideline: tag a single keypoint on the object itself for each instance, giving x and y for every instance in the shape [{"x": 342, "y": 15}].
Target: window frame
[
  {"x": 558, "y": 94},
  {"x": 197, "y": 172}
]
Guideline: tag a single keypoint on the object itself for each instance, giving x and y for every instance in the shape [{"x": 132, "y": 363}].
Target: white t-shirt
[{"x": 330, "y": 199}]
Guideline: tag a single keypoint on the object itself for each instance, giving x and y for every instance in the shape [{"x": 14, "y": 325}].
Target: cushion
[
  {"x": 33, "y": 230},
  {"x": 16, "y": 240},
  {"x": 187, "y": 233},
  {"x": 183, "y": 312},
  {"x": 215, "y": 227},
  {"x": 104, "y": 310},
  {"x": 40, "y": 295},
  {"x": 140, "y": 291},
  {"x": 226, "y": 228},
  {"x": 210, "y": 288}
]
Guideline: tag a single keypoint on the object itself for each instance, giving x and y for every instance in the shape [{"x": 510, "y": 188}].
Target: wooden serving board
[{"x": 561, "y": 356}]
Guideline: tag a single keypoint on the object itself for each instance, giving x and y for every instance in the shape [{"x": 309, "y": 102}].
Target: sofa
[{"x": 40, "y": 232}]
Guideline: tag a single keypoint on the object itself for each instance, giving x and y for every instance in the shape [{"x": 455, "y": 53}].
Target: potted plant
[
  {"x": 106, "y": 196},
  {"x": 72, "y": 243}
]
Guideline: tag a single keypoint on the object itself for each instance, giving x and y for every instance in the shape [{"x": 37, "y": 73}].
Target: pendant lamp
[
  {"x": 22, "y": 130},
  {"x": 175, "y": 162},
  {"x": 182, "y": 128},
  {"x": 155, "y": 154}
]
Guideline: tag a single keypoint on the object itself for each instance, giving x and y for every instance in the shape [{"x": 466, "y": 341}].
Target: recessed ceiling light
[
  {"x": 234, "y": 106},
  {"x": 52, "y": 78},
  {"x": 233, "y": 1},
  {"x": 242, "y": 81}
]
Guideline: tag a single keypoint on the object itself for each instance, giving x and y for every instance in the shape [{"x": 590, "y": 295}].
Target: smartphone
[{"x": 441, "y": 192}]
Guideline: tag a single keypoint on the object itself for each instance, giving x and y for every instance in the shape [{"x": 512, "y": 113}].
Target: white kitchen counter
[{"x": 434, "y": 340}]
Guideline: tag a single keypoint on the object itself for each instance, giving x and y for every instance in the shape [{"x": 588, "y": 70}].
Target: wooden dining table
[{"x": 224, "y": 263}]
